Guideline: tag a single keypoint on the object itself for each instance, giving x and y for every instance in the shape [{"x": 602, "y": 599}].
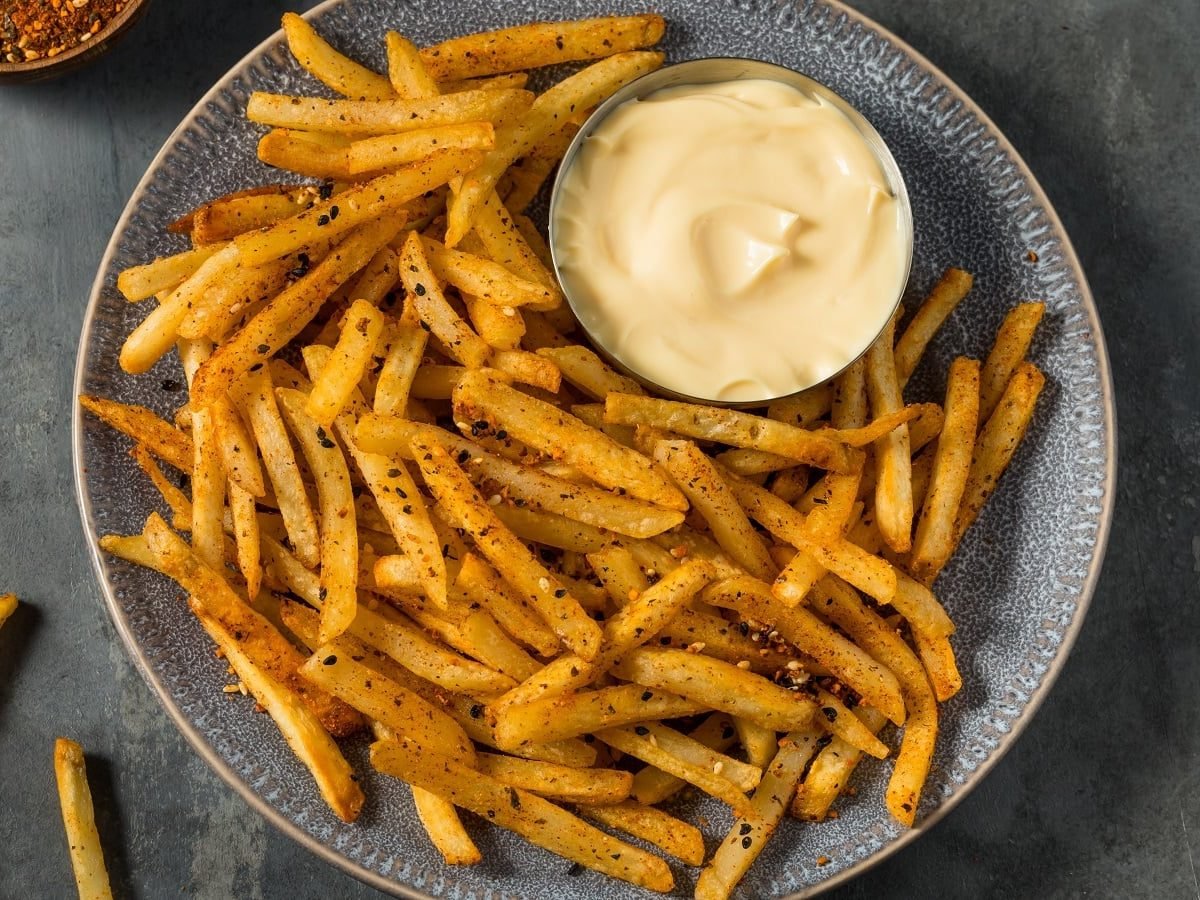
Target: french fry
[
  {"x": 164, "y": 273},
  {"x": 161, "y": 438},
  {"x": 79, "y": 821},
  {"x": 640, "y": 742},
  {"x": 364, "y": 117},
  {"x": 239, "y": 456},
  {"x": 501, "y": 327},
  {"x": 803, "y": 409},
  {"x": 1011, "y": 344},
  {"x": 480, "y": 396},
  {"x": 299, "y": 726},
  {"x": 584, "y": 369},
  {"x": 669, "y": 834},
  {"x": 728, "y": 426},
  {"x": 226, "y": 217},
  {"x": 892, "y": 452},
  {"x": 503, "y": 242},
  {"x": 853, "y": 666},
  {"x": 751, "y": 831},
  {"x": 328, "y": 66},
  {"x": 530, "y": 173},
  {"x": 848, "y": 406},
  {"x": 208, "y": 492},
  {"x": 696, "y": 476},
  {"x": 503, "y": 550},
  {"x": 937, "y": 656},
  {"x": 311, "y": 153},
  {"x": 950, "y": 290},
  {"x": 934, "y": 541},
  {"x": 492, "y": 83},
  {"x": 378, "y": 277},
  {"x": 554, "y": 782},
  {"x": 830, "y": 771},
  {"x": 387, "y": 151},
  {"x": 333, "y": 668},
  {"x": 226, "y": 303},
  {"x": 879, "y": 427},
  {"x": 279, "y": 460},
  {"x": 832, "y": 503},
  {"x": 482, "y": 584},
  {"x": 842, "y": 723},
  {"x": 697, "y": 677},
  {"x": 552, "y": 529},
  {"x": 540, "y": 44},
  {"x": 652, "y": 785},
  {"x": 586, "y": 712},
  {"x": 246, "y": 537},
  {"x": 584, "y": 89},
  {"x": 400, "y": 367},
  {"x": 528, "y": 368},
  {"x": 361, "y": 329},
  {"x": 759, "y": 743},
  {"x": 339, "y": 533},
  {"x": 440, "y": 820},
  {"x": 535, "y": 819},
  {"x": 998, "y": 441},
  {"x": 487, "y": 280},
  {"x": 406, "y": 72},
  {"x": 424, "y": 291},
  {"x": 176, "y": 500}
]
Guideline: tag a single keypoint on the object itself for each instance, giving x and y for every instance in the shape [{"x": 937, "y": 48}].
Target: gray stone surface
[{"x": 1098, "y": 797}]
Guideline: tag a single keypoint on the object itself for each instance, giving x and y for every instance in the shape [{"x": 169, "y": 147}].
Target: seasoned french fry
[
  {"x": 803, "y": 409},
  {"x": 239, "y": 456},
  {"x": 424, "y": 291},
  {"x": 363, "y": 117},
  {"x": 400, "y": 368},
  {"x": 848, "y": 407},
  {"x": 227, "y": 217},
  {"x": 311, "y": 153},
  {"x": 245, "y": 532},
  {"x": 493, "y": 83},
  {"x": 530, "y": 173},
  {"x": 584, "y": 89},
  {"x": 406, "y": 72},
  {"x": 588, "y": 372},
  {"x": 361, "y": 329},
  {"x": 483, "y": 585},
  {"x": 950, "y": 290},
  {"x": 842, "y": 723},
  {"x": 669, "y": 834},
  {"x": 487, "y": 280},
  {"x": 1011, "y": 345},
  {"x": 504, "y": 243},
  {"x": 330, "y": 67},
  {"x": 728, "y": 426},
  {"x": 555, "y": 782},
  {"x": 893, "y": 455},
  {"x": 163, "y": 274},
  {"x": 938, "y": 658},
  {"x": 208, "y": 492},
  {"x": 440, "y": 820},
  {"x": 831, "y": 770},
  {"x": 552, "y": 529},
  {"x": 759, "y": 743},
  {"x": 535, "y": 819},
  {"x": 161, "y": 438},
  {"x": 652, "y": 785},
  {"x": 528, "y": 368},
  {"x": 387, "y": 151},
  {"x": 540, "y": 44},
  {"x": 339, "y": 533},
  {"x": 503, "y": 550},
  {"x": 717, "y": 685},
  {"x": 934, "y": 541},
  {"x": 79, "y": 821},
  {"x": 751, "y": 831},
  {"x": 563, "y": 437}
]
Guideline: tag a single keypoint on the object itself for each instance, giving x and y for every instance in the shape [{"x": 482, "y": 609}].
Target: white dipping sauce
[{"x": 735, "y": 241}]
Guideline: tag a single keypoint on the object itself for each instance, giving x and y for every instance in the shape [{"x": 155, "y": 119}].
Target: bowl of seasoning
[
  {"x": 729, "y": 231},
  {"x": 45, "y": 38}
]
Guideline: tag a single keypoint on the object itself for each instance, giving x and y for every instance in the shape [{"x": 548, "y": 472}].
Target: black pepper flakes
[
  {"x": 329, "y": 660},
  {"x": 642, "y": 730}
]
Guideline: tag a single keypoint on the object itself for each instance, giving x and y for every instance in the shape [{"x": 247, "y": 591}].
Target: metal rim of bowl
[
  {"x": 79, "y": 55},
  {"x": 713, "y": 70}
]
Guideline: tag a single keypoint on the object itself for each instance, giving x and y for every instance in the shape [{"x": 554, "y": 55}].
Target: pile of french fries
[{"x": 420, "y": 505}]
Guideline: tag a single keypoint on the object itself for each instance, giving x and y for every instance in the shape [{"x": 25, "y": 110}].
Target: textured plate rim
[{"x": 387, "y": 885}]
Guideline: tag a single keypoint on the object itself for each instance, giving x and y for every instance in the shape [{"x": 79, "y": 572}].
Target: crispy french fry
[
  {"x": 751, "y": 831},
  {"x": 584, "y": 369},
  {"x": 669, "y": 834},
  {"x": 239, "y": 456},
  {"x": 540, "y": 44},
  {"x": 406, "y": 72},
  {"x": 339, "y": 535},
  {"x": 492, "y": 83},
  {"x": 555, "y": 782},
  {"x": 163, "y": 274},
  {"x": 848, "y": 407},
  {"x": 938, "y": 658},
  {"x": 504, "y": 243},
  {"x": 311, "y": 153},
  {"x": 892, "y": 452},
  {"x": 830, "y": 771},
  {"x": 535, "y": 819},
  {"x": 552, "y": 529},
  {"x": 534, "y": 168},
  {"x": 717, "y": 685},
  {"x": 934, "y": 541},
  {"x": 528, "y": 368},
  {"x": 652, "y": 785},
  {"x": 503, "y": 550},
  {"x": 1011, "y": 345},
  {"x": 363, "y": 117},
  {"x": 950, "y": 290},
  {"x": 361, "y": 329},
  {"x": 480, "y": 396},
  {"x": 759, "y": 743},
  {"x": 208, "y": 492},
  {"x": 226, "y": 217},
  {"x": 161, "y": 438},
  {"x": 400, "y": 368},
  {"x": 300, "y": 727},
  {"x": 387, "y": 151},
  {"x": 487, "y": 280},
  {"x": 424, "y": 291},
  {"x": 483, "y": 585},
  {"x": 841, "y": 722},
  {"x": 328, "y": 66},
  {"x": 584, "y": 89},
  {"x": 803, "y": 409},
  {"x": 440, "y": 820},
  {"x": 246, "y": 536},
  {"x": 728, "y": 426},
  {"x": 79, "y": 821}
]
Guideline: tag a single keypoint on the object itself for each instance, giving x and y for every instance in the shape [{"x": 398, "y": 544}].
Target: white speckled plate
[{"x": 1018, "y": 590}]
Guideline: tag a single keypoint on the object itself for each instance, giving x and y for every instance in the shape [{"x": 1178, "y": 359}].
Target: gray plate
[{"x": 1018, "y": 589}]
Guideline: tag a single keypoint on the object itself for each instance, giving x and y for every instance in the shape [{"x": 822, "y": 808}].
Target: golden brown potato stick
[
  {"x": 588, "y": 372},
  {"x": 504, "y": 550},
  {"x": 208, "y": 492},
  {"x": 952, "y": 287},
  {"x": 535, "y": 819},
  {"x": 937, "y": 656},
  {"x": 561, "y": 783},
  {"x": 717, "y": 685},
  {"x": 407, "y": 74},
  {"x": 400, "y": 367},
  {"x": 672, "y": 836},
  {"x": 363, "y": 117},
  {"x": 528, "y": 175},
  {"x": 727, "y": 426},
  {"x": 934, "y": 541},
  {"x": 804, "y": 408},
  {"x": 490, "y": 281},
  {"x": 339, "y": 377},
  {"x": 482, "y": 584},
  {"x": 339, "y": 531},
  {"x": 330, "y": 67},
  {"x": 299, "y": 726},
  {"x": 540, "y": 44},
  {"x": 244, "y": 516},
  {"x": 830, "y": 771},
  {"x": 311, "y": 153},
  {"x": 161, "y": 438},
  {"x": 440, "y": 820},
  {"x": 239, "y": 455},
  {"x": 164, "y": 273},
  {"x": 652, "y": 785},
  {"x": 892, "y": 451},
  {"x": 424, "y": 292},
  {"x": 1011, "y": 344},
  {"x": 848, "y": 407},
  {"x": 227, "y": 217},
  {"x": 387, "y": 151},
  {"x": 79, "y": 821}
]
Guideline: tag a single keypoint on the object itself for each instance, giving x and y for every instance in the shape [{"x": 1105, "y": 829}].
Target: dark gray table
[{"x": 1097, "y": 799}]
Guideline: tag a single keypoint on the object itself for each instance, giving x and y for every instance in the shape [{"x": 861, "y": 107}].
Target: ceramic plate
[{"x": 1018, "y": 589}]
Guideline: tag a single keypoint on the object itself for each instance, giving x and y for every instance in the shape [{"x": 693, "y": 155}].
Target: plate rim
[{"x": 388, "y": 886}]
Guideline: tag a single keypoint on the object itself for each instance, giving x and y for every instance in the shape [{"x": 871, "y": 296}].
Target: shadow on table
[
  {"x": 16, "y": 642},
  {"x": 109, "y": 824}
]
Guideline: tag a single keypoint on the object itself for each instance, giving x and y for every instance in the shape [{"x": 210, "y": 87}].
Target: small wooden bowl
[{"x": 79, "y": 55}]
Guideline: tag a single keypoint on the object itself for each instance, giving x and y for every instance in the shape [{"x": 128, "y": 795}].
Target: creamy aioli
[{"x": 735, "y": 241}]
